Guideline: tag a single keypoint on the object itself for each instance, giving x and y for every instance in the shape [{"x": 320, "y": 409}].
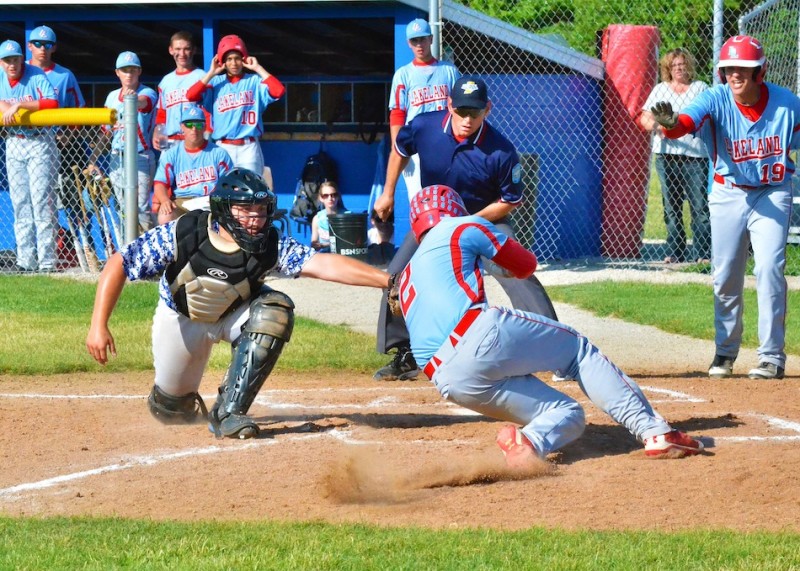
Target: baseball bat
[
  {"x": 101, "y": 217},
  {"x": 105, "y": 196},
  {"x": 70, "y": 215},
  {"x": 91, "y": 257}
]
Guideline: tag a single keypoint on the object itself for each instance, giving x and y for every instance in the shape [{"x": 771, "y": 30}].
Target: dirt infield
[{"x": 347, "y": 449}]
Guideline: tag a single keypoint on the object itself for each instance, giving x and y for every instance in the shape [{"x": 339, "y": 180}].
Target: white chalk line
[{"x": 152, "y": 460}]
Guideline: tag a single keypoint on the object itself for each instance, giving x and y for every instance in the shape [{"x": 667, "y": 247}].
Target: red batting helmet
[
  {"x": 742, "y": 51},
  {"x": 229, "y": 44},
  {"x": 431, "y": 204}
]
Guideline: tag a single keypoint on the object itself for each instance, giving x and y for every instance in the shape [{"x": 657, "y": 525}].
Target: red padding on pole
[{"x": 631, "y": 57}]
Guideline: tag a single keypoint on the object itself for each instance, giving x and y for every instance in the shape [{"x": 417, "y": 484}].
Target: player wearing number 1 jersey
[
  {"x": 749, "y": 127},
  {"x": 239, "y": 99}
]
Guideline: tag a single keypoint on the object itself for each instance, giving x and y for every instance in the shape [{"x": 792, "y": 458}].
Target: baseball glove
[
  {"x": 664, "y": 115},
  {"x": 393, "y": 298}
]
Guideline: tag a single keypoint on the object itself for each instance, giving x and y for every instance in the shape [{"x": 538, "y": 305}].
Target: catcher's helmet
[
  {"x": 242, "y": 187},
  {"x": 229, "y": 44},
  {"x": 743, "y": 51},
  {"x": 431, "y": 204}
]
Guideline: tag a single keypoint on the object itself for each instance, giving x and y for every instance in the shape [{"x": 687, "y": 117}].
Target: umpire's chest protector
[{"x": 207, "y": 283}]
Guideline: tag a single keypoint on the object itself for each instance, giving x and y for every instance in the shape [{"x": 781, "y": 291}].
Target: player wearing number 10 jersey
[
  {"x": 749, "y": 127},
  {"x": 239, "y": 99}
]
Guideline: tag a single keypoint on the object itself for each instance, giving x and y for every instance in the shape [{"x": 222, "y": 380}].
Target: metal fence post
[{"x": 131, "y": 168}]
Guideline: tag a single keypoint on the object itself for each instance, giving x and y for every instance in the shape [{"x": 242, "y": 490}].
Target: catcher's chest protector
[{"x": 206, "y": 283}]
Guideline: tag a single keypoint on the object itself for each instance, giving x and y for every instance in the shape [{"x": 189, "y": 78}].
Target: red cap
[{"x": 228, "y": 44}]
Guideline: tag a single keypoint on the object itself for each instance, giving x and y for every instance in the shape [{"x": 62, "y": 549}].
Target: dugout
[{"x": 337, "y": 60}]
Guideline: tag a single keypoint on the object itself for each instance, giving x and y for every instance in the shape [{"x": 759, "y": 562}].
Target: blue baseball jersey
[
  {"x": 33, "y": 85},
  {"x": 68, "y": 92},
  {"x": 192, "y": 173},
  {"x": 150, "y": 254},
  {"x": 420, "y": 88},
  {"x": 238, "y": 105},
  {"x": 146, "y": 119},
  {"x": 482, "y": 169},
  {"x": 444, "y": 279},
  {"x": 746, "y": 152},
  {"x": 172, "y": 93}
]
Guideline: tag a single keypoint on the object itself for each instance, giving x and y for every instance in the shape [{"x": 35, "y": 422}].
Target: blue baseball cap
[
  {"x": 192, "y": 112},
  {"x": 418, "y": 28},
  {"x": 128, "y": 59},
  {"x": 43, "y": 34},
  {"x": 10, "y": 48},
  {"x": 469, "y": 92}
]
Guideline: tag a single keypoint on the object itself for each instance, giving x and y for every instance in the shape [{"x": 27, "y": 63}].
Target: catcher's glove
[
  {"x": 664, "y": 115},
  {"x": 393, "y": 298}
]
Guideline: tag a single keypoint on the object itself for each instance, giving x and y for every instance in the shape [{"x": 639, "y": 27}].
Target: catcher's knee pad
[
  {"x": 176, "y": 410},
  {"x": 271, "y": 313}
]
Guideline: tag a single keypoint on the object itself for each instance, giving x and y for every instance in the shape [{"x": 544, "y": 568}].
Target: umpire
[{"x": 458, "y": 148}]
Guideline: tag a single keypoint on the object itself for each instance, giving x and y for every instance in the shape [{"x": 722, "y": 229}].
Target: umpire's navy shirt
[{"x": 482, "y": 169}]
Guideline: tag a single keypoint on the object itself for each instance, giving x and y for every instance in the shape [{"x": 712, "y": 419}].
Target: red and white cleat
[
  {"x": 673, "y": 444},
  {"x": 518, "y": 450}
]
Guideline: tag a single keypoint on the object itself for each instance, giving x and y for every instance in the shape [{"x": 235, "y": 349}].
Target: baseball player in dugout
[
  {"x": 172, "y": 91},
  {"x": 238, "y": 101},
  {"x": 211, "y": 290},
  {"x": 31, "y": 160},
  {"x": 459, "y": 148},
  {"x": 418, "y": 87},
  {"x": 128, "y": 70},
  {"x": 484, "y": 357},
  {"x": 750, "y": 126},
  {"x": 189, "y": 170}
]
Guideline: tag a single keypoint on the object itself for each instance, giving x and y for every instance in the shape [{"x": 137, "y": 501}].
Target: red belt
[
  {"x": 718, "y": 178},
  {"x": 237, "y": 142},
  {"x": 455, "y": 337}
]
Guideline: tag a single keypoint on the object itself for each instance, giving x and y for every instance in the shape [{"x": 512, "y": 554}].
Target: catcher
[
  {"x": 211, "y": 290},
  {"x": 483, "y": 357}
]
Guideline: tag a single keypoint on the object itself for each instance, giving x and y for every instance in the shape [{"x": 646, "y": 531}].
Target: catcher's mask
[
  {"x": 244, "y": 188},
  {"x": 431, "y": 204}
]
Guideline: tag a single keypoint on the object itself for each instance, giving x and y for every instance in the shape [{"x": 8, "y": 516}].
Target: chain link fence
[
  {"x": 54, "y": 216},
  {"x": 571, "y": 103}
]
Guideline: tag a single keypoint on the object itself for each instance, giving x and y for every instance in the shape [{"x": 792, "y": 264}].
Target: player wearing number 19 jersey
[{"x": 749, "y": 126}]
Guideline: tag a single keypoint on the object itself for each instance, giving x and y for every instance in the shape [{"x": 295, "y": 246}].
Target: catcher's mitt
[{"x": 394, "y": 295}]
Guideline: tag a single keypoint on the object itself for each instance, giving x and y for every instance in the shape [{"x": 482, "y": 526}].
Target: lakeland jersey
[
  {"x": 68, "y": 92},
  {"x": 444, "y": 279},
  {"x": 419, "y": 88},
  {"x": 744, "y": 152},
  {"x": 33, "y": 85},
  {"x": 238, "y": 105},
  {"x": 146, "y": 119},
  {"x": 172, "y": 93},
  {"x": 483, "y": 169},
  {"x": 192, "y": 173}
]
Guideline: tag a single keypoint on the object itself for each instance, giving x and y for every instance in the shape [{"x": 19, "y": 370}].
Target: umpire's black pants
[{"x": 527, "y": 295}]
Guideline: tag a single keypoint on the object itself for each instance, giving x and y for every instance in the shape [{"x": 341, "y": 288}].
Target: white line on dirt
[
  {"x": 674, "y": 394},
  {"x": 45, "y": 396}
]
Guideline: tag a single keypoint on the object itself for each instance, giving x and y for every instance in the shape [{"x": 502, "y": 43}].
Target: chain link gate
[
  {"x": 592, "y": 194},
  {"x": 73, "y": 222}
]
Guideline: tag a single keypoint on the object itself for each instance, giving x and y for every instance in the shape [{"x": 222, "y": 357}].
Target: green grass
[
  {"x": 51, "y": 332},
  {"x": 60, "y": 543}
]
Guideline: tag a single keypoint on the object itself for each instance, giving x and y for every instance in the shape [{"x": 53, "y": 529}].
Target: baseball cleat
[
  {"x": 403, "y": 367},
  {"x": 517, "y": 449},
  {"x": 766, "y": 371},
  {"x": 721, "y": 367},
  {"x": 673, "y": 444},
  {"x": 234, "y": 425}
]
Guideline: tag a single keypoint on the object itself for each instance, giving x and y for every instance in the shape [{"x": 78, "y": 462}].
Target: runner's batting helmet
[
  {"x": 431, "y": 204},
  {"x": 743, "y": 51},
  {"x": 243, "y": 187}
]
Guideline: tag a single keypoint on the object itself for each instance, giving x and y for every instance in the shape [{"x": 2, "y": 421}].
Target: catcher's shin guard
[
  {"x": 176, "y": 410},
  {"x": 255, "y": 353}
]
